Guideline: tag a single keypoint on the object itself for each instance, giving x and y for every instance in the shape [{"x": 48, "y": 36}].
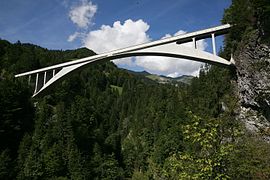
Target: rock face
[{"x": 252, "y": 60}]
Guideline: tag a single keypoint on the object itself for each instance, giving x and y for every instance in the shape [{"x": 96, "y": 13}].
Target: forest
[{"x": 107, "y": 123}]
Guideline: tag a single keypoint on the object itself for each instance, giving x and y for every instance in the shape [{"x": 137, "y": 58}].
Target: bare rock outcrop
[{"x": 252, "y": 60}]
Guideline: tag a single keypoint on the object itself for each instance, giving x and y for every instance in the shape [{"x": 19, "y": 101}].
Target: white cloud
[
  {"x": 83, "y": 14},
  {"x": 117, "y": 36},
  {"x": 74, "y": 36},
  {"x": 172, "y": 67},
  {"x": 173, "y": 75},
  {"x": 180, "y": 32},
  {"x": 109, "y": 38}
]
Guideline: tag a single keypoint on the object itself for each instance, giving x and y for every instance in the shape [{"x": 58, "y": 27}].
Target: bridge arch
[{"x": 169, "y": 47}]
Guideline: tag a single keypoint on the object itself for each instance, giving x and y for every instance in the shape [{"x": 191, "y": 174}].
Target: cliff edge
[{"x": 252, "y": 59}]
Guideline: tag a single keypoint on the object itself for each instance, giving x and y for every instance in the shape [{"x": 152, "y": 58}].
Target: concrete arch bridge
[{"x": 169, "y": 47}]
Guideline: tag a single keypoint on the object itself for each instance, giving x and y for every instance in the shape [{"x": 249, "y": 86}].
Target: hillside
[
  {"x": 181, "y": 80},
  {"x": 109, "y": 123}
]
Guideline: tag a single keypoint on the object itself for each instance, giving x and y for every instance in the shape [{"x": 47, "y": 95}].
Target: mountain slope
[{"x": 182, "y": 80}]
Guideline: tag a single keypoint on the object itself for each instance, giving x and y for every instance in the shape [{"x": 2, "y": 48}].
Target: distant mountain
[
  {"x": 143, "y": 73},
  {"x": 185, "y": 79}
]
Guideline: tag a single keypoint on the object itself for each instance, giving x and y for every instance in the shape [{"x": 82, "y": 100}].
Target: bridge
[{"x": 169, "y": 47}]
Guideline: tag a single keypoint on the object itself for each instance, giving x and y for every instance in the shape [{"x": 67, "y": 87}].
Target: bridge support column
[
  {"x": 36, "y": 83},
  {"x": 29, "y": 79},
  {"x": 44, "y": 80},
  {"x": 214, "y": 44},
  {"x": 194, "y": 43}
]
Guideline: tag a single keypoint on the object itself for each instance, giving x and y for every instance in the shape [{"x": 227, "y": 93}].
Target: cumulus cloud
[
  {"x": 82, "y": 14},
  {"x": 108, "y": 38},
  {"x": 169, "y": 66},
  {"x": 172, "y": 67},
  {"x": 117, "y": 36}
]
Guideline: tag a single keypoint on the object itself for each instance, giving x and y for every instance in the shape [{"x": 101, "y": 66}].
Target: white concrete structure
[{"x": 169, "y": 47}]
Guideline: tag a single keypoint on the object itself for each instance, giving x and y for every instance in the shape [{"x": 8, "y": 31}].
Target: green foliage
[
  {"x": 246, "y": 16},
  {"x": 205, "y": 94},
  {"x": 5, "y": 165},
  {"x": 206, "y": 155},
  {"x": 250, "y": 160},
  {"x": 109, "y": 168},
  {"x": 118, "y": 89},
  {"x": 16, "y": 118},
  {"x": 138, "y": 175},
  {"x": 241, "y": 15}
]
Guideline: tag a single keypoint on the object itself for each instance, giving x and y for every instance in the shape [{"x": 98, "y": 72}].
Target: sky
[{"x": 105, "y": 25}]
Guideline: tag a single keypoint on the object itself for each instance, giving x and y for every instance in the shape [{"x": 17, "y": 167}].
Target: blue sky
[{"x": 70, "y": 24}]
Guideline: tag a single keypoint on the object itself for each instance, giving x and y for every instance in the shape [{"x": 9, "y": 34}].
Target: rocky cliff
[{"x": 252, "y": 59}]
